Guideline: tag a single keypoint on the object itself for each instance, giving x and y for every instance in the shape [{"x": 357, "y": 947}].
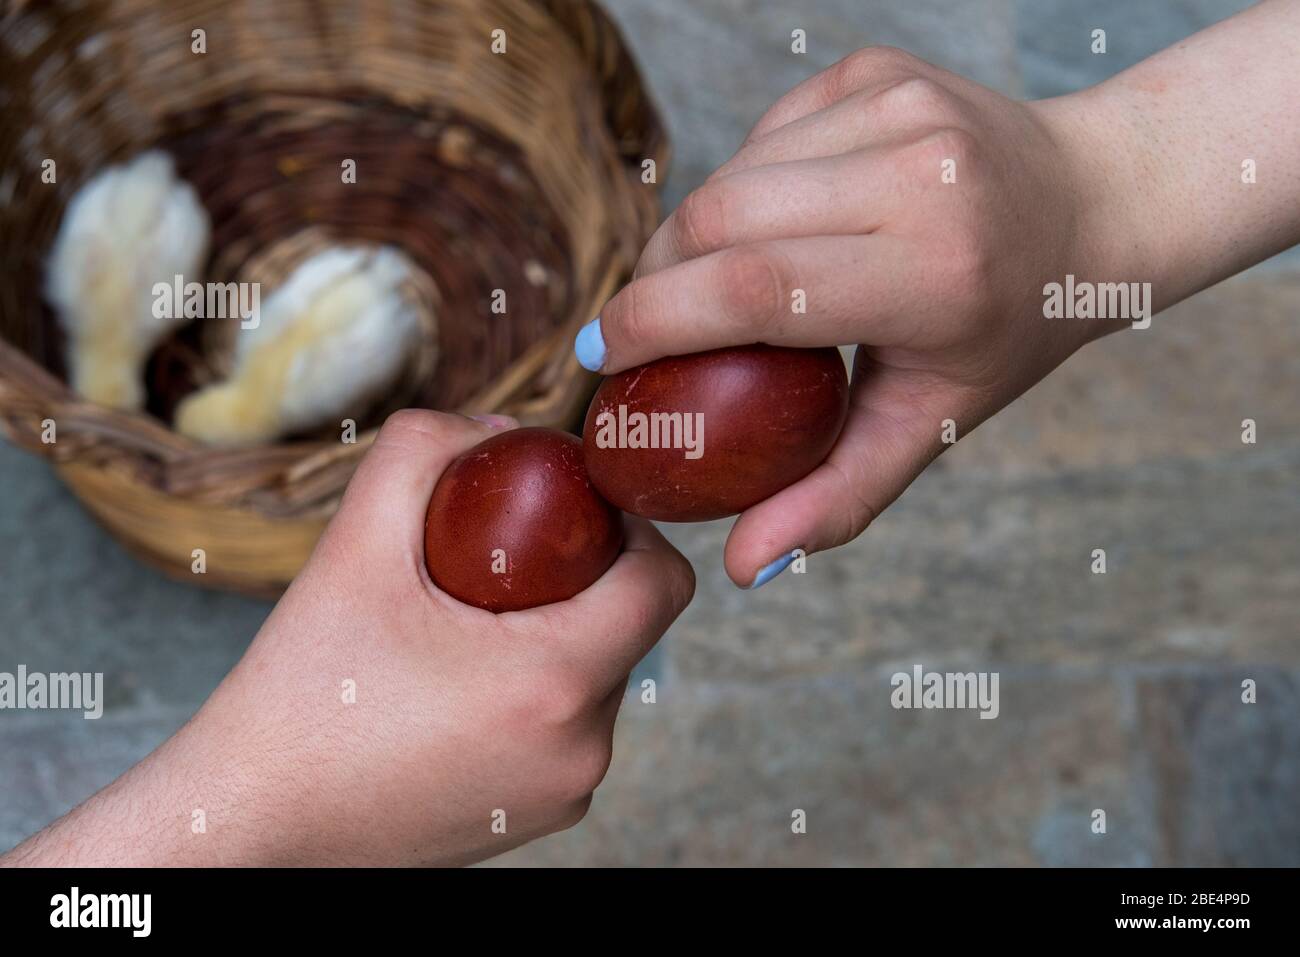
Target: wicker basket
[{"x": 518, "y": 171}]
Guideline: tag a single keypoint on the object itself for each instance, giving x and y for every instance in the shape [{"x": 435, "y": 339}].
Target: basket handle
[{"x": 29, "y": 394}]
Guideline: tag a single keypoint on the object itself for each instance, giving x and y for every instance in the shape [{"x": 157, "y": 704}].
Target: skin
[{"x": 836, "y": 191}]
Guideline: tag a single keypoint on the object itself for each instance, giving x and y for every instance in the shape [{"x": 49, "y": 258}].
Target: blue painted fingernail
[
  {"x": 589, "y": 347},
  {"x": 767, "y": 573}
]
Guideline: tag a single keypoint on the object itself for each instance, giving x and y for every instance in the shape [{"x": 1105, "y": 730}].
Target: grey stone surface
[
  {"x": 879, "y": 786},
  {"x": 1118, "y": 692},
  {"x": 75, "y": 600},
  {"x": 717, "y": 65},
  {"x": 711, "y": 775},
  {"x": 71, "y": 600},
  {"x": 54, "y": 760},
  {"x": 1224, "y": 775}
]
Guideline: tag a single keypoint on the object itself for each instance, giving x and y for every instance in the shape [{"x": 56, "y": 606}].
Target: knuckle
[
  {"x": 655, "y": 251},
  {"x": 626, "y": 317},
  {"x": 701, "y": 221},
  {"x": 584, "y": 769},
  {"x": 886, "y": 57},
  {"x": 950, "y": 143},
  {"x": 681, "y": 583},
  {"x": 643, "y": 266},
  {"x": 572, "y": 813},
  {"x": 847, "y": 76},
  {"x": 859, "y": 514},
  {"x": 924, "y": 160},
  {"x": 917, "y": 97},
  {"x": 754, "y": 282},
  {"x": 860, "y": 67},
  {"x": 776, "y": 116}
]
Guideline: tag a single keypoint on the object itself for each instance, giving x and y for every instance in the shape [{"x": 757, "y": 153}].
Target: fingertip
[
  {"x": 763, "y": 538},
  {"x": 424, "y": 426},
  {"x": 756, "y": 568},
  {"x": 589, "y": 346},
  {"x": 772, "y": 569},
  {"x": 736, "y": 561}
]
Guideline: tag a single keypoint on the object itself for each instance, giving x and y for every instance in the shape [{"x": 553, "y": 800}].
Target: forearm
[{"x": 1162, "y": 148}]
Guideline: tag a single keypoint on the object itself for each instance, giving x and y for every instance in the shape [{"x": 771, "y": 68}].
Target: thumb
[
  {"x": 891, "y": 435},
  {"x": 391, "y": 488}
]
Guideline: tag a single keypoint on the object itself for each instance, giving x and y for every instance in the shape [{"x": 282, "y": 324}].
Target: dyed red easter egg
[
  {"x": 704, "y": 436},
  {"x": 515, "y": 523}
]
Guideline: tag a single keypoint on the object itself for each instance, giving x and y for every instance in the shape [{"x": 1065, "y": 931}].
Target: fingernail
[
  {"x": 496, "y": 421},
  {"x": 768, "y": 572},
  {"x": 589, "y": 347}
]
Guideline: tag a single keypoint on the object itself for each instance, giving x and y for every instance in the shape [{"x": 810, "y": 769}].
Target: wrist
[{"x": 1112, "y": 196}]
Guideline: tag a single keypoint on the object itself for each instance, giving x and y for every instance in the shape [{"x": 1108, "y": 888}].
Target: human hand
[
  {"x": 458, "y": 714},
  {"x": 839, "y": 191},
  {"x": 921, "y": 215}
]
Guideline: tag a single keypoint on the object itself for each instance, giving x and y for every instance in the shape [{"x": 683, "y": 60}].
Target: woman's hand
[
  {"x": 375, "y": 720},
  {"x": 888, "y": 203}
]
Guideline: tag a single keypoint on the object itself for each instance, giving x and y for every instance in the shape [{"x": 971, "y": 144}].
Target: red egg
[
  {"x": 699, "y": 437},
  {"x": 515, "y": 523}
]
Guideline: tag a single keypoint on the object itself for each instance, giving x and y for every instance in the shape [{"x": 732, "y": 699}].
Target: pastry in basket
[
  {"x": 128, "y": 228},
  {"x": 327, "y": 343}
]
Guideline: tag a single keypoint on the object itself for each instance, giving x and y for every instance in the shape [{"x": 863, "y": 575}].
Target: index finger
[{"x": 807, "y": 292}]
